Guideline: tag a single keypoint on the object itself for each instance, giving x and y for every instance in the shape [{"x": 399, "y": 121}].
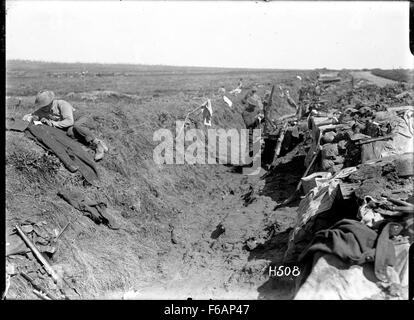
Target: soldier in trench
[
  {"x": 252, "y": 117},
  {"x": 59, "y": 114}
]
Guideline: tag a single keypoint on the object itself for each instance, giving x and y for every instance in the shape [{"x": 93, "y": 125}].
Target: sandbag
[
  {"x": 405, "y": 165},
  {"x": 373, "y": 150},
  {"x": 328, "y": 137},
  {"x": 329, "y": 151}
]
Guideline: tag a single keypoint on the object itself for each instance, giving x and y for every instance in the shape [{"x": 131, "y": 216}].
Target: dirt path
[{"x": 367, "y": 75}]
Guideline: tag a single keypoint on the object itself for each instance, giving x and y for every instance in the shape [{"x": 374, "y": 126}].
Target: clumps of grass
[
  {"x": 36, "y": 168},
  {"x": 72, "y": 179},
  {"x": 163, "y": 117},
  {"x": 114, "y": 163}
]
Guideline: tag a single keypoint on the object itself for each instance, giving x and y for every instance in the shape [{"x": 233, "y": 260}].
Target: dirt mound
[{"x": 92, "y": 96}]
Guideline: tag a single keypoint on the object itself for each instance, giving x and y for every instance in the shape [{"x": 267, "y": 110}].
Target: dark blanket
[
  {"x": 355, "y": 243},
  {"x": 96, "y": 210},
  {"x": 69, "y": 151}
]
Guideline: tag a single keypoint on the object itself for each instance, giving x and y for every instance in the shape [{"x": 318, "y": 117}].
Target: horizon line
[{"x": 189, "y": 66}]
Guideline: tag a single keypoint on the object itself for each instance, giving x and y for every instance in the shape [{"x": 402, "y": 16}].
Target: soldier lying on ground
[{"x": 59, "y": 114}]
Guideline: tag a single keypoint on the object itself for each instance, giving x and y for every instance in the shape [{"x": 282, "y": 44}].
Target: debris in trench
[
  {"x": 218, "y": 231},
  {"x": 38, "y": 255},
  {"x": 37, "y": 287},
  {"x": 42, "y": 236},
  {"x": 367, "y": 150},
  {"x": 96, "y": 210},
  {"x": 173, "y": 236}
]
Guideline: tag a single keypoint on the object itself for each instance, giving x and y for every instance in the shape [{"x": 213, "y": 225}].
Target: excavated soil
[{"x": 199, "y": 231}]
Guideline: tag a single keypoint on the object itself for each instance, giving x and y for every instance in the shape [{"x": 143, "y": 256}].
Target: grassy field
[
  {"x": 402, "y": 75},
  {"x": 124, "y": 105}
]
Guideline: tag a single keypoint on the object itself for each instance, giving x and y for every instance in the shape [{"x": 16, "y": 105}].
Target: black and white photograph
[{"x": 208, "y": 150}]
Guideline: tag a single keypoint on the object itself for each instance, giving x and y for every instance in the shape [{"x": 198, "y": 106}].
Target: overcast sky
[{"x": 221, "y": 34}]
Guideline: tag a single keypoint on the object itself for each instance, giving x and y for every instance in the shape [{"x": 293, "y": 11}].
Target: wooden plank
[{"x": 38, "y": 255}]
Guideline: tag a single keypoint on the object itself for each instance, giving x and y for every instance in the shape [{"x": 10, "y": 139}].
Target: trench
[
  {"x": 226, "y": 234},
  {"x": 223, "y": 245},
  {"x": 199, "y": 231}
]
